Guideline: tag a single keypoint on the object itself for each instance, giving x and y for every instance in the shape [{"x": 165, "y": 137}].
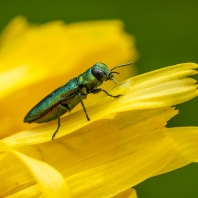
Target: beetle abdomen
[{"x": 58, "y": 110}]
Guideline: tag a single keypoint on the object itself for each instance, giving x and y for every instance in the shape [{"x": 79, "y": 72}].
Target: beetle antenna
[
  {"x": 126, "y": 64},
  {"x": 115, "y": 73}
]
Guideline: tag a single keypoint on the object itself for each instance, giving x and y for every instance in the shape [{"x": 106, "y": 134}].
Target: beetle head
[{"x": 102, "y": 73}]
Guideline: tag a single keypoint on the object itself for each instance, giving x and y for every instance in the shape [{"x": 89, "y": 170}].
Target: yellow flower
[
  {"x": 36, "y": 59},
  {"x": 125, "y": 142}
]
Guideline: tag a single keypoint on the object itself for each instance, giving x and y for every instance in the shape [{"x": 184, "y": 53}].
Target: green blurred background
[{"x": 166, "y": 33}]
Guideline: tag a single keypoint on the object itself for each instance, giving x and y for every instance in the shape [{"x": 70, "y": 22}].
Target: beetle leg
[
  {"x": 95, "y": 91},
  {"x": 53, "y": 136},
  {"x": 58, "y": 117},
  {"x": 81, "y": 101}
]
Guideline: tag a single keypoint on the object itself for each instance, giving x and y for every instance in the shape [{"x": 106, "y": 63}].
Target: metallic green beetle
[{"x": 65, "y": 98}]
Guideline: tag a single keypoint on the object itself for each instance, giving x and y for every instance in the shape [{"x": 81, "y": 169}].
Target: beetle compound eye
[{"x": 98, "y": 73}]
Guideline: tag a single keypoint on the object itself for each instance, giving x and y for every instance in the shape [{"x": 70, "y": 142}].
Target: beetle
[{"x": 66, "y": 97}]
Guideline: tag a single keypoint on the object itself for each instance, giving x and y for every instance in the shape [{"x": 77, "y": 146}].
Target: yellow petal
[
  {"x": 163, "y": 87},
  {"x": 30, "y": 192},
  {"x": 130, "y": 193},
  {"x": 122, "y": 174},
  {"x": 50, "y": 181},
  {"x": 186, "y": 139}
]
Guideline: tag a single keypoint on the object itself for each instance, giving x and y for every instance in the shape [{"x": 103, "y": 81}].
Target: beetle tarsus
[
  {"x": 117, "y": 96},
  {"x": 99, "y": 90}
]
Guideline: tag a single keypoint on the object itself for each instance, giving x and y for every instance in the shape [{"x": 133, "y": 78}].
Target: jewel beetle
[{"x": 66, "y": 97}]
